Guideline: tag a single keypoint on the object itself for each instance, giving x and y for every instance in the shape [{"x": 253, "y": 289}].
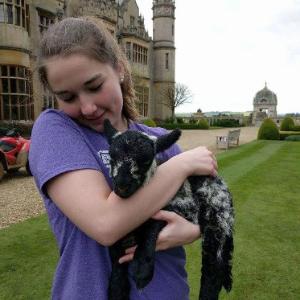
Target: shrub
[
  {"x": 203, "y": 124},
  {"x": 179, "y": 120},
  {"x": 192, "y": 121},
  {"x": 293, "y": 138},
  {"x": 268, "y": 130},
  {"x": 296, "y": 128},
  {"x": 284, "y": 134},
  {"x": 226, "y": 123},
  {"x": 170, "y": 126},
  {"x": 287, "y": 124},
  {"x": 149, "y": 122}
]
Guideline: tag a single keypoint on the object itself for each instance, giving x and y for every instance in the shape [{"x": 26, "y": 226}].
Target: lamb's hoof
[{"x": 142, "y": 271}]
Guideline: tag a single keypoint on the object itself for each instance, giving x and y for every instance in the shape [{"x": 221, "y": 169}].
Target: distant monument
[{"x": 264, "y": 106}]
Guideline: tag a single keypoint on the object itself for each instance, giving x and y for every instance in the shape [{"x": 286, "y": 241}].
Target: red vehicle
[{"x": 14, "y": 150}]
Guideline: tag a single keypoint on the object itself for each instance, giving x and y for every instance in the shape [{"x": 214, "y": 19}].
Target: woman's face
[{"x": 87, "y": 90}]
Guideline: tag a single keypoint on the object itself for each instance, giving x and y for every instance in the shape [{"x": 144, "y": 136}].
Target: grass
[
  {"x": 27, "y": 260},
  {"x": 263, "y": 177}
]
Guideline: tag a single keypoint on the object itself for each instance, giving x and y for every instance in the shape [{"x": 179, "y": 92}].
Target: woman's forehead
[{"x": 75, "y": 69}]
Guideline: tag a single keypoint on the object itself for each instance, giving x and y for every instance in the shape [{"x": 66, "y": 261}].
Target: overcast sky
[{"x": 227, "y": 49}]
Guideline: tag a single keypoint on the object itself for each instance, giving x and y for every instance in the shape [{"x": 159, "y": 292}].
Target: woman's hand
[
  {"x": 198, "y": 161},
  {"x": 177, "y": 232}
]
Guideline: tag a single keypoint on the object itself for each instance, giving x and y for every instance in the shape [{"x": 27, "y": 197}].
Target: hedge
[
  {"x": 295, "y": 138},
  {"x": 284, "y": 134},
  {"x": 170, "y": 126}
]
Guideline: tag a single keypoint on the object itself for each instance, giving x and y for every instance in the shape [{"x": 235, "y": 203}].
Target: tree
[{"x": 176, "y": 95}]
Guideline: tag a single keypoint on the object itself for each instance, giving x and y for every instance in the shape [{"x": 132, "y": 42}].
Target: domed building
[{"x": 264, "y": 105}]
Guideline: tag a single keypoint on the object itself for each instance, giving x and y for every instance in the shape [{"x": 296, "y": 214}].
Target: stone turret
[
  {"x": 264, "y": 105},
  {"x": 163, "y": 54}
]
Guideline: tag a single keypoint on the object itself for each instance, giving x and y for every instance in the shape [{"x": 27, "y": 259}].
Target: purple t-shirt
[{"x": 58, "y": 145}]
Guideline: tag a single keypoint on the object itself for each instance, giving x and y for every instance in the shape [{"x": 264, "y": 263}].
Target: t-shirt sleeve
[{"x": 58, "y": 146}]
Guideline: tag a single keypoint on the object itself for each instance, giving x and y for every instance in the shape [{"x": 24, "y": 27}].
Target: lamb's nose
[{"x": 122, "y": 189}]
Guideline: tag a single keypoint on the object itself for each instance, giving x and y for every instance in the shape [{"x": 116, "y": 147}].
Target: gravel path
[{"x": 20, "y": 200}]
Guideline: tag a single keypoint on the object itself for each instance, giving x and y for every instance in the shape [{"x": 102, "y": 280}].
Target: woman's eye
[
  {"x": 67, "y": 98},
  {"x": 96, "y": 88}
]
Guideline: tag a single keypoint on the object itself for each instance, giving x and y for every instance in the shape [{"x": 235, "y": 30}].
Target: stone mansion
[{"x": 22, "y": 23}]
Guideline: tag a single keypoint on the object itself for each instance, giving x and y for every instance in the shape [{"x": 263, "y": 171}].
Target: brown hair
[{"x": 87, "y": 36}]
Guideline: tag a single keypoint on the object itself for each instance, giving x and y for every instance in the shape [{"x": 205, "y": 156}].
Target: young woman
[{"x": 82, "y": 65}]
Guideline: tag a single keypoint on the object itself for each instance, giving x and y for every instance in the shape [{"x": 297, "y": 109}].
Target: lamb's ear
[
  {"x": 165, "y": 141},
  {"x": 109, "y": 130}
]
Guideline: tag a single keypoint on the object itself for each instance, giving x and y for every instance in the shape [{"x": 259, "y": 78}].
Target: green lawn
[{"x": 264, "y": 179}]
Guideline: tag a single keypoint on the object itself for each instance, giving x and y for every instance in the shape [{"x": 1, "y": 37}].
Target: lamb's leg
[
  {"x": 227, "y": 254},
  {"x": 216, "y": 266},
  {"x": 211, "y": 273},
  {"x": 144, "y": 257},
  {"x": 119, "y": 287}
]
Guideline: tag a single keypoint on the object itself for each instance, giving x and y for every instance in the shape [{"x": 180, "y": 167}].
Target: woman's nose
[{"x": 87, "y": 105}]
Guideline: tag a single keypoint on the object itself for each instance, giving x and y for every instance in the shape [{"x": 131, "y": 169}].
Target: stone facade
[
  {"x": 22, "y": 23},
  {"x": 264, "y": 106}
]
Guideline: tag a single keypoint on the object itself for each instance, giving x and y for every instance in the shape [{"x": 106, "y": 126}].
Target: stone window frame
[
  {"x": 15, "y": 12},
  {"x": 16, "y": 99},
  {"x": 142, "y": 102},
  {"x": 139, "y": 54},
  {"x": 46, "y": 19}
]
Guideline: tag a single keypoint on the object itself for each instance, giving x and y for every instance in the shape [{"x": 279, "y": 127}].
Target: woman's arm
[
  {"x": 177, "y": 232},
  {"x": 86, "y": 199}
]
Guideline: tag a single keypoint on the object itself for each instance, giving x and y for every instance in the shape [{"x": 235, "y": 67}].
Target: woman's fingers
[
  {"x": 164, "y": 215},
  {"x": 126, "y": 258},
  {"x": 129, "y": 253}
]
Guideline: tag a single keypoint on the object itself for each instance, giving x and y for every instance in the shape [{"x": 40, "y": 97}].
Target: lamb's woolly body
[{"x": 202, "y": 200}]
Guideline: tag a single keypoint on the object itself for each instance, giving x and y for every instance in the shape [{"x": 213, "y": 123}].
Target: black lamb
[{"x": 203, "y": 200}]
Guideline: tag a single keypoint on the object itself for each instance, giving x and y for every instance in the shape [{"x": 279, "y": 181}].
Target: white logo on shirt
[{"x": 105, "y": 157}]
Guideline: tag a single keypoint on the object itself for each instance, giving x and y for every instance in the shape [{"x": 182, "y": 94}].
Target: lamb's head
[{"x": 132, "y": 157}]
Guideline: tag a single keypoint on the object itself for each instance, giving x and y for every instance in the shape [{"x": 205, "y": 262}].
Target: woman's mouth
[{"x": 95, "y": 119}]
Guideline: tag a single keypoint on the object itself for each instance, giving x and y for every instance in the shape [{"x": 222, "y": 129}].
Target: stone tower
[
  {"x": 163, "y": 55},
  {"x": 264, "y": 106}
]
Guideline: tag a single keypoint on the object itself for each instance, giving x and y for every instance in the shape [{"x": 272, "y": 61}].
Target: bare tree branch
[{"x": 176, "y": 95}]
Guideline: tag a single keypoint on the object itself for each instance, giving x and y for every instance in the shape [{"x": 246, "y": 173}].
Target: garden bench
[{"x": 231, "y": 139}]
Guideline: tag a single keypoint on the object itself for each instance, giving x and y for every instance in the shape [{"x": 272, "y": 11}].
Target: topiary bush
[
  {"x": 296, "y": 128},
  {"x": 203, "y": 124},
  {"x": 287, "y": 124},
  {"x": 179, "y": 120},
  {"x": 268, "y": 130},
  {"x": 149, "y": 122}
]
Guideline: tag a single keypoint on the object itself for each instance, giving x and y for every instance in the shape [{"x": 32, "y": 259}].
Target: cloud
[{"x": 227, "y": 49}]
